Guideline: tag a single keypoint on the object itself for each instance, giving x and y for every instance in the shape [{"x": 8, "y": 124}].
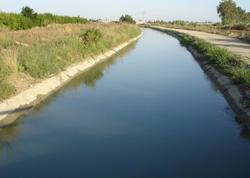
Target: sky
[{"x": 168, "y": 10}]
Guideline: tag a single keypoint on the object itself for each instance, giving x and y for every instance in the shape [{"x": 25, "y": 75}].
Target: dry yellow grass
[
  {"x": 55, "y": 32},
  {"x": 41, "y": 51},
  {"x": 9, "y": 58}
]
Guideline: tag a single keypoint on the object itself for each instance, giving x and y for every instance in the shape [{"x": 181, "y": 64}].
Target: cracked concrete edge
[{"x": 46, "y": 87}]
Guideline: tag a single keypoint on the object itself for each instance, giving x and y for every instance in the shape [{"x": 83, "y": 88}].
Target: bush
[
  {"x": 91, "y": 36},
  {"x": 217, "y": 24},
  {"x": 193, "y": 24},
  {"x": 221, "y": 57},
  {"x": 240, "y": 27},
  {"x": 241, "y": 74},
  {"x": 127, "y": 19},
  {"x": 178, "y": 22}
]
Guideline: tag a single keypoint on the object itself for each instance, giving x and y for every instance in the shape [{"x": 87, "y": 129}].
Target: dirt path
[{"x": 232, "y": 44}]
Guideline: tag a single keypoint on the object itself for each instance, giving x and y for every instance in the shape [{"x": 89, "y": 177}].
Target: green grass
[
  {"x": 42, "y": 58},
  {"x": 226, "y": 61},
  {"x": 6, "y": 88},
  {"x": 18, "y": 21},
  {"x": 42, "y": 61}
]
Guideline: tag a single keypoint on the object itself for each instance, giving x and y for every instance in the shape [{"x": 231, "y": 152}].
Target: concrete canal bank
[
  {"x": 17, "y": 105},
  {"x": 235, "y": 95}
]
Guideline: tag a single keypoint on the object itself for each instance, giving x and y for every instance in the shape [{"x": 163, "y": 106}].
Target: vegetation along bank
[
  {"x": 227, "y": 70},
  {"x": 29, "y": 57}
]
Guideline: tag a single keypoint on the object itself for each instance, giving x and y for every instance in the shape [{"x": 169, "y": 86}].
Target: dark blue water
[{"x": 148, "y": 112}]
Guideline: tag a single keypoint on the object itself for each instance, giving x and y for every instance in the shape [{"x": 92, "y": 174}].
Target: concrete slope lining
[{"x": 43, "y": 89}]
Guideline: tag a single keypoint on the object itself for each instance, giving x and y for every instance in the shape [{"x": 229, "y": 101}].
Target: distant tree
[
  {"x": 248, "y": 17},
  {"x": 127, "y": 18},
  {"x": 231, "y": 14},
  {"x": 227, "y": 11},
  {"x": 178, "y": 22},
  {"x": 241, "y": 15},
  {"x": 28, "y": 12}
]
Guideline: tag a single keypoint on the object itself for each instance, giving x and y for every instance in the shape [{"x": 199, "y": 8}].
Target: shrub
[
  {"x": 221, "y": 57},
  {"x": 241, "y": 74},
  {"x": 240, "y": 27},
  {"x": 217, "y": 24},
  {"x": 193, "y": 24},
  {"x": 91, "y": 36},
  {"x": 127, "y": 19},
  {"x": 178, "y": 22}
]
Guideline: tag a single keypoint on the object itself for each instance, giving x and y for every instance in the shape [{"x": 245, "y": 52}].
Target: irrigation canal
[{"x": 149, "y": 111}]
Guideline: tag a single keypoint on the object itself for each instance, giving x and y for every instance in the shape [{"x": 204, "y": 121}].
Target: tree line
[
  {"x": 28, "y": 18},
  {"x": 231, "y": 14}
]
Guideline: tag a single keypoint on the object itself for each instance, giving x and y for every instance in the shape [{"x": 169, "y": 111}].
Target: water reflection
[
  {"x": 96, "y": 73},
  {"x": 153, "y": 113},
  {"x": 245, "y": 132},
  {"x": 7, "y": 135},
  {"x": 89, "y": 78},
  {"x": 245, "y": 128}
]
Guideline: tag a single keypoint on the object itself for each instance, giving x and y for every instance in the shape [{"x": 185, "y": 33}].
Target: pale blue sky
[{"x": 192, "y": 10}]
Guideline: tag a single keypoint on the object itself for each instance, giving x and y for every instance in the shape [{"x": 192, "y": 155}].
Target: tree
[
  {"x": 127, "y": 19},
  {"x": 28, "y": 12},
  {"x": 241, "y": 15},
  {"x": 231, "y": 14},
  {"x": 227, "y": 11},
  {"x": 248, "y": 17}
]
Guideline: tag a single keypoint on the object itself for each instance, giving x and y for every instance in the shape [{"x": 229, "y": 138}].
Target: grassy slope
[
  {"x": 224, "y": 60},
  {"x": 37, "y": 53}
]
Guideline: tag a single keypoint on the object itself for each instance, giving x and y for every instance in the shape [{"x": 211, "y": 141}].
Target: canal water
[{"x": 149, "y": 111}]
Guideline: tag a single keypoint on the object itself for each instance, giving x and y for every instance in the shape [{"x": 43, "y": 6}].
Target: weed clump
[
  {"x": 6, "y": 88},
  {"x": 91, "y": 36}
]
